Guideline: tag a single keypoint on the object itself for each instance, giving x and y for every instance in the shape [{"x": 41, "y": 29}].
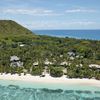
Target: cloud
[
  {"x": 33, "y": 12},
  {"x": 80, "y": 10},
  {"x": 56, "y": 25},
  {"x": 81, "y": 23},
  {"x": 43, "y": 12}
]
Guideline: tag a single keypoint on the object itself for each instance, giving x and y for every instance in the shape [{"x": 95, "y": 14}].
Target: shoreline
[{"x": 50, "y": 80}]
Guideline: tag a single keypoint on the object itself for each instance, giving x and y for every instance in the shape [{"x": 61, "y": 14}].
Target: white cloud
[
  {"x": 33, "y": 12},
  {"x": 56, "y": 25},
  {"x": 80, "y": 10},
  {"x": 81, "y": 23},
  {"x": 44, "y": 12}
]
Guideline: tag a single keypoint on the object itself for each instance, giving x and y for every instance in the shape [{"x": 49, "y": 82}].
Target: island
[{"x": 24, "y": 55}]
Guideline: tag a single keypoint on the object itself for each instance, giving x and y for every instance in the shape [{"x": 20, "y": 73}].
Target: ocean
[
  {"x": 18, "y": 90},
  {"x": 79, "y": 34}
]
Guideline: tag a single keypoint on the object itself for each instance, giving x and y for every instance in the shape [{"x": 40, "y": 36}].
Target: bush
[
  {"x": 56, "y": 72},
  {"x": 36, "y": 71}
]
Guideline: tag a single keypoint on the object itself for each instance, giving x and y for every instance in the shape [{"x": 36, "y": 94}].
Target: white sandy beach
[{"x": 49, "y": 79}]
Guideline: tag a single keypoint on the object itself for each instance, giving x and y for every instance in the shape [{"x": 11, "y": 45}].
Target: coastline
[{"x": 50, "y": 80}]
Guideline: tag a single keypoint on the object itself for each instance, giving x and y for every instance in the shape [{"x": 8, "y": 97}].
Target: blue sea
[
  {"x": 79, "y": 34},
  {"x": 18, "y": 90}
]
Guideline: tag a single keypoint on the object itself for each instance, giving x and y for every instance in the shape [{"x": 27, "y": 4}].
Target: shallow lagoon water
[{"x": 18, "y": 90}]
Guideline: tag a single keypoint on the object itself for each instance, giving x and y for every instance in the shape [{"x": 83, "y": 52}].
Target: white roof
[
  {"x": 71, "y": 53},
  {"x": 64, "y": 63},
  {"x": 61, "y": 55},
  {"x": 72, "y": 58},
  {"x": 12, "y": 58},
  {"x": 77, "y": 56},
  {"x": 17, "y": 64},
  {"x": 80, "y": 65},
  {"x": 47, "y": 62},
  {"x": 94, "y": 65},
  {"x": 35, "y": 63},
  {"x": 21, "y": 45}
]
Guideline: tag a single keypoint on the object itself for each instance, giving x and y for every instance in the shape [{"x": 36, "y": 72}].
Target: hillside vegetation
[{"x": 11, "y": 27}]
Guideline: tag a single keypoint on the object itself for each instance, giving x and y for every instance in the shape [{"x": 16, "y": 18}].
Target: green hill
[{"x": 9, "y": 27}]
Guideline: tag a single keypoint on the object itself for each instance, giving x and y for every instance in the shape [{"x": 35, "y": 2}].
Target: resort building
[
  {"x": 94, "y": 66},
  {"x": 21, "y": 45},
  {"x": 71, "y": 58},
  {"x": 71, "y": 54},
  {"x": 35, "y": 64},
  {"x": 61, "y": 56},
  {"x": 64, "y": 63},
  {"x": 80, "y": 65},
  {"x": 47, "y": 62},
  {"x": 15, "y": 62}
]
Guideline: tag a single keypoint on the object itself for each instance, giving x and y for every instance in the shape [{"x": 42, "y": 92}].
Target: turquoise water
[
  {"x": 17, "y": 90},
  {"x": 80, "y": 34}
]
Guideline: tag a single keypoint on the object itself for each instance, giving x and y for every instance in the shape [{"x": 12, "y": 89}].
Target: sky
[{"x": 52, "y": 14}]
